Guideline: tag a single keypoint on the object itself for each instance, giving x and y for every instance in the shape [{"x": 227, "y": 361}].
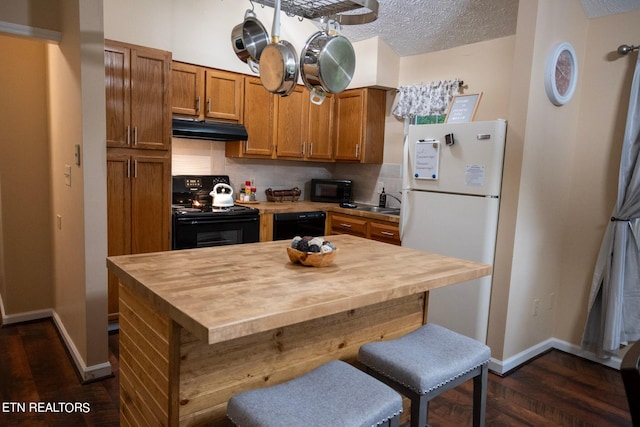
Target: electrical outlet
[
  {"x": 536, "y": 307},
  {"x": 379, "y": 187}
]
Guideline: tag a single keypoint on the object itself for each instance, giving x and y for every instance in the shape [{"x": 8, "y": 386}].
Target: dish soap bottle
[{"x": 382, "y": 203}]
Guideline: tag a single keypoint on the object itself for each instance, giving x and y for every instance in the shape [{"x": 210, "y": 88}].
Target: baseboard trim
[
  {"x": 87, "y": 373},
  {"x": 502, "y": 367},
  {"x": 613, "y": 362},
  {"x": 27, "y": 316}
]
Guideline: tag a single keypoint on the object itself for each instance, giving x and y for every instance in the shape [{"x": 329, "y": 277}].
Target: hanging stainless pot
[
  {"x": 278, "y": 63},
  {"x": 249, "y": 40},
  {"x": 327, "y": 63}
]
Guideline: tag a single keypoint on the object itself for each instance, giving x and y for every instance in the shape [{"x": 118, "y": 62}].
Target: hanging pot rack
[{"x": 346, "y": 12}]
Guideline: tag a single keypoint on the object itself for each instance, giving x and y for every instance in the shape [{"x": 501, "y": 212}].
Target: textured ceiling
[
  {"x": 412, "y": 27},
  {"x": 597, "y": 8}
]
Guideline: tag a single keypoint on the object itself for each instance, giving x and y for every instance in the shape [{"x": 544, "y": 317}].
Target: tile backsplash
[{"x": 198, "y": 157}]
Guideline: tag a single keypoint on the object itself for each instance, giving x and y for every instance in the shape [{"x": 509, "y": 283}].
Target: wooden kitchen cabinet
[
  {"x": 138, "y": 94},
  {"x": 224, "y": 94},
  {"x": 347, "y": 224},
  {"x": 290, "y": 125},
  {"x": 319, "y": 126},
  {"x": 374, "y": 229},
  {"x": 360, "y": 117},
  {"x": 304, "y": 130},
  {"x": 259, "y": 114},
  {"x": 138, "y": 207},
  {"x": 137, "y": 81},
  {"x": 187, "y": 90},
  {"x": 206, "y": 93},
  {"x": 384, "y": 232}
]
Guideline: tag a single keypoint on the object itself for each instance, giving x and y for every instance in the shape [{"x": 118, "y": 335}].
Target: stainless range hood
[{"x": 212, "y": 131}]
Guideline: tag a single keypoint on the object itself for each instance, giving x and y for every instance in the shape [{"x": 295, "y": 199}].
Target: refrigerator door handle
[{"x": 404, "y": 212}]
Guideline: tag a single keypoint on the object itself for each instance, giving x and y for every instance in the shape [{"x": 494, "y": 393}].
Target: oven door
[{"x": 202, "y": 232}]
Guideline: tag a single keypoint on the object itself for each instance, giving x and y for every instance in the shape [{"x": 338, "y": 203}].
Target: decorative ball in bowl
[{"x": 311, "y": 251}]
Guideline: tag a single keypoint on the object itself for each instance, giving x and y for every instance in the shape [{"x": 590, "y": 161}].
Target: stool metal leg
[
  {"x": 419, "y": 409},
  {"x": 480, "y": 396}
]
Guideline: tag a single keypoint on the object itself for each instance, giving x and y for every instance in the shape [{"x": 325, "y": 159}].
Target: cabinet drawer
[
  {"x": 384, "y": 232},
  {"x": 343, "y": 224}
]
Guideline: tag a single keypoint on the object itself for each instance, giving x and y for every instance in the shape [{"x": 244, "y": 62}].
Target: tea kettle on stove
[{"x": 224, "y": 198}]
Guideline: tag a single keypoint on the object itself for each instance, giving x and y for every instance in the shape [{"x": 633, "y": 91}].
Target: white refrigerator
[{"x": 451, "y": 179}]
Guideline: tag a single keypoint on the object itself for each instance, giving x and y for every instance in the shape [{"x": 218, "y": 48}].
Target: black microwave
[{"x": 331, "y": 190}]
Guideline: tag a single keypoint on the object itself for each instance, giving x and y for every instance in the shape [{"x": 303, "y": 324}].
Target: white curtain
[
  {"x": 614, "y": 302},
  {"x": 428, "y": 99}
]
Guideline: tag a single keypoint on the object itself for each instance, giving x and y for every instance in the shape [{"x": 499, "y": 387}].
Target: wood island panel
[
  {"x": 271, "y": 357},
  {"x": 201, "y": 325}
]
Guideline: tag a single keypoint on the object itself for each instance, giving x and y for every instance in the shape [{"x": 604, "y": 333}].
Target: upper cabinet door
[
  {"x": 187, "y": 90},
  {"x": 360, "y": 117},
  {"x": 349, "y": 116},
  {"x": 291, "y": 124},
  {"x": 118, "y": 95},
  {"x": 320, "y": 128},
  {"x": 258, "y": 119},
  {"x": 137, "y": 81},
  {"x": 224, "y": 95},
  {"x": 150, "y": 98}
]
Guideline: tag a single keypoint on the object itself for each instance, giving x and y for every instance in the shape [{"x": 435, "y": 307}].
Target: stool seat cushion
[
  {"x": 334, "y": 394},
  {"x": 426, "y": 358}
]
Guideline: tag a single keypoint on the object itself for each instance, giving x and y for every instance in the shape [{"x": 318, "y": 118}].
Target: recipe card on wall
[{"x": 427, "y": 159}]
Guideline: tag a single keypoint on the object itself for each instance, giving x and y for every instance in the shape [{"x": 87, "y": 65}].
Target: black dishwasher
[{"x": 290, "y": 224}]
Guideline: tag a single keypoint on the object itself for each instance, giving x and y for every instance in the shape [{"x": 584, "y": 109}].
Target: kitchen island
[{"x": 197, "y": 326}]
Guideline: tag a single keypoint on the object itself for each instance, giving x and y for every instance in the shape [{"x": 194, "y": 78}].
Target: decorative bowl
[{"x": 313, "y": 259}]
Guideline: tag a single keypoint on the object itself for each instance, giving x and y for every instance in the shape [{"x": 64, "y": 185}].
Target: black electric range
[{"x": 197, "y": 223}]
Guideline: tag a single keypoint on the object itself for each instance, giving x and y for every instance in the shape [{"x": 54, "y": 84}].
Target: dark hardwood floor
[{"x": 555, "y": 389}]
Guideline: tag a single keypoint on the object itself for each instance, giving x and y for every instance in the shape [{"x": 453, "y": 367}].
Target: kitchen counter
[
  {"x": 198, "y": 326},
  {"x": 267, "y": 209},
  {"x": 279, "y": 207}
]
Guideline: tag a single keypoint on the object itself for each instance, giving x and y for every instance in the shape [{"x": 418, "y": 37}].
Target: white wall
[
  {"x": 77, "y": 112},
  {"x": 606, "y": 79},
  {"x": 545, "y": 184},
  {"x": 25, "y": 219}
]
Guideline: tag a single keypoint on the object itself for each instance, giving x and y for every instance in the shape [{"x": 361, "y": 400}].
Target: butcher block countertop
[
  {"x": 228, "y": 292},
  {"x": 307, "y": 206}
]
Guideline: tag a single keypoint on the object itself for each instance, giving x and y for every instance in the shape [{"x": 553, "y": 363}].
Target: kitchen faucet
[{"x": 391, "y": 195}]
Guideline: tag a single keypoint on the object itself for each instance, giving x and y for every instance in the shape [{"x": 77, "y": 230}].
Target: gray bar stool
[
  {"x": 424, "y": 363},
  {"x": 334, "y": 394}
]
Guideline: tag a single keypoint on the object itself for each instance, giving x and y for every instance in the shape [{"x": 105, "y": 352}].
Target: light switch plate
[{"x": 67, "y": 175}]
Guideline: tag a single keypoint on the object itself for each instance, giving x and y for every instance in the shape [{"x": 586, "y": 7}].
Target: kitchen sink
[{"x": 376, "y": 209}]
